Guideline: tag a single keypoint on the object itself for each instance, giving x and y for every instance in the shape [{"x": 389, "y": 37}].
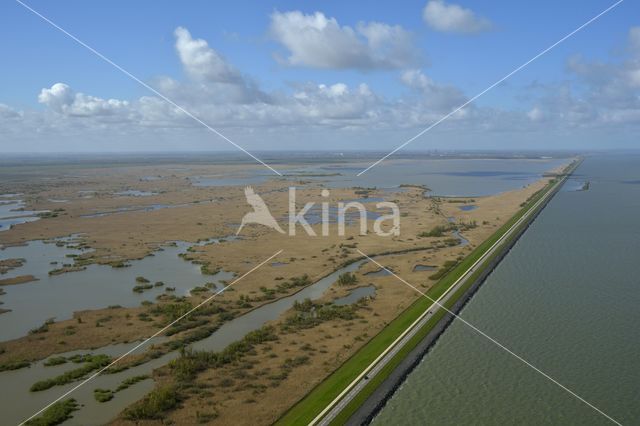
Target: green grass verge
[{"x": 320, "y": 396}]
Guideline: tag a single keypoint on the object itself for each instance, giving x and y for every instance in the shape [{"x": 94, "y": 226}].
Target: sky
[{"x": 329, "y": 75}]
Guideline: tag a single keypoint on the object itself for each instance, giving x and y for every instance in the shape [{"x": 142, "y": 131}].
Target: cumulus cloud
[
  {"x": 453, "y": 18},
  {"x": 335, "y": 104},
  {"x": 7, "y": 112},
  {"x": 321, "y": 42},
  {"x": 599, "y": 94},
  {"x": 62, "y": 99},
  {"x": 202, "y": 62},
  {"x": 217, "y": 92},
  {"x": 212, "y": 77},
  {"x": 634, "y": 39},
  {"x": 434, "y": 96},
  {"x": 536, "y": 114}
]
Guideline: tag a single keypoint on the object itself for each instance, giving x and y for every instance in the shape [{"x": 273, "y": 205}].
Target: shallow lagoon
[
  {"x": 12, "y": 212},
  {"x": 98, "y": 286},
  {"x": 450, "y": 177}
]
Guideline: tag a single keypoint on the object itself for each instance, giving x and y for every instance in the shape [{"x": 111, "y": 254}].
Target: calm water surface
[
  {"x": 98, "y": 286},
  {"x": 452, "y": 177},
  {"x": 566, "y": 298}
]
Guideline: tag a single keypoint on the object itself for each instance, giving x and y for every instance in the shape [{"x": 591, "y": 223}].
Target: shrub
[
  {"x": 14, "y": 365},
  {"x": 301, "y": 281},
  {"x": 192, "y": 362},
  {"x": 43, "y": 328},
  {"x": 142, "y": 287},
  {"x": 102, "y": 395},
  {"x": 94, "y": 362},
  {"x": 209, "y": 270},
  {"x": 131, "y": 381},
  {"x": 56, "y": 414},
  {"x": 55, "y": 360},
  {"x": 154, "y": 405},
  {"x": 347, "y": 279},
  {"x": 437, "y": 231},
  {"x": 171, "y": 311},
  {"x": 305, "y": 306},
  {"x": 309, "y": 315}
]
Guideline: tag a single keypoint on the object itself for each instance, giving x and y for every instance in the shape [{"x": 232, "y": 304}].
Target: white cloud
[
  {"x": 434, "y": 97},
  {"x": 453, "y": 18},
  {"x": 222, "y": 96},
  {"x": 211, "y": 76},
  {"x": 59, "y": 96},
  {"x": 7, "y": 112},
  {"x": 536, "y": 114},
  {"x": 336, "y": 104},
  {"x": 201, "y": 62},
  {"x": 606, "y": 93},
  {"x": 634, "y": 39},
  {"x": 320, "y": 42},
  {"x": 62, "y": 99}
]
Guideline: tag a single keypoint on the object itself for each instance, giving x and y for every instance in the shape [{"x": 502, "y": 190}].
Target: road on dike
[{"x": 340, "y": 402}]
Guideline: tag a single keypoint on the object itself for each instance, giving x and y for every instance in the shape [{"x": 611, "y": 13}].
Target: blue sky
[{"x": 285, "y": 107}]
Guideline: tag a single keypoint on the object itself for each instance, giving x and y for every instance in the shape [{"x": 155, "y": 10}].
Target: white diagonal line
[
  {"x": 133, "y": 77},
  {"x": 491, "y": 339},
  {"x": 399, "y": 147},
  {"x": 163, "y": 329}
]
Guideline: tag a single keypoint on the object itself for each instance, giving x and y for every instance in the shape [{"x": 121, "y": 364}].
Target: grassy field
[{"x": 315, "y": 401}]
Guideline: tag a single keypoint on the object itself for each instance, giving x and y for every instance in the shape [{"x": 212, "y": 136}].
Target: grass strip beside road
[{"x": 325, "y": 392}]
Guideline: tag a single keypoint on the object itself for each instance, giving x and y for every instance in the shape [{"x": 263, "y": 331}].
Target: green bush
[
  {"x": 14, "y": 365},
  {"x": 56, "y": 414},
  {"x": 309, "y": 315},
  {"x": 43, "y": 328},
  {"x": 209, "y": 270},
  {"x": 141, "y": 288},
  {"x": 94, "y": 362},
  {"x": 102, "y": 395},
  {"x": 301, "y": 281},
  {"x": 171, "y": 311},
  {"x": 55, "y": 360},
  {"x": 131, "y": 381},
  {"x": 154, "y": 405},
  {"x": 347, "y": 279},
  {"x": 191, "y": 362},
  {"x": 437, "y": 231}
]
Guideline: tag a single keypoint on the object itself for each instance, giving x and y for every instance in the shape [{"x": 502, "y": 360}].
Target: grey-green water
[
  {"x": 445, "y": 176},
  {"x": 567, "y": 299},
  {"x": 96, "y": 287}
]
